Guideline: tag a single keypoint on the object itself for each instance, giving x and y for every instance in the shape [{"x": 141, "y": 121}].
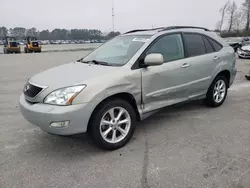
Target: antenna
[{"x": 113, "y": 15}]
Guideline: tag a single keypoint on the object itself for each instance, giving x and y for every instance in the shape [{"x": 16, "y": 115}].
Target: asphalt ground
[{"x": 185, "y": 146}]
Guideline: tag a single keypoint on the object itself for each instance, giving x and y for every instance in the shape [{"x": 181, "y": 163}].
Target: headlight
[{"x": 64, "y": 96}]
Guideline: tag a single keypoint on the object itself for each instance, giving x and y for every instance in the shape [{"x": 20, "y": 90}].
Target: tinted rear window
[
  {"x": 208, "y": 46},
  {"x": 217, "y": 47},
  {"x": 194, "y": 44}
]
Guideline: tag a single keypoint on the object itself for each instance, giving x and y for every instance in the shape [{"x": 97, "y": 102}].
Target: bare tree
[
  {"x": 238, "y": 24},
  {"x": 246, "y": 13},
  {"x": 217, "y": 26},
  {"x": 231, "y": 11},
  {"x": 223, "y": 11}
]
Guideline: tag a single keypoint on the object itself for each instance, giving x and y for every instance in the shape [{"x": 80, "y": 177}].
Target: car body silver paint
[{"x": 152, "y": 87}]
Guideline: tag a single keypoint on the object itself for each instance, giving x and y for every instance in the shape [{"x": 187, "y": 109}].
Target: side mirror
[{"x": 153, "y": 59}]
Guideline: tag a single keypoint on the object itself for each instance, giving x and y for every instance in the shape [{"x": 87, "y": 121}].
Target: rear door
[{"x": 202, "y": 58}]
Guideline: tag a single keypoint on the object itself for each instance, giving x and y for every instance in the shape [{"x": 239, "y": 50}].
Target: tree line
[
  {"x": 57, "y": 34},
  {"x": 235, "y": 19}
]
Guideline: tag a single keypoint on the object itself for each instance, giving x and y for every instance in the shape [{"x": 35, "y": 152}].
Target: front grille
[
  {"x": 35, "y": 44},
  {"x": 31, "y": 90}
]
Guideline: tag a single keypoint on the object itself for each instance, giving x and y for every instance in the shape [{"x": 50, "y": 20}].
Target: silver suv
[{"x": 127, "y": 79}]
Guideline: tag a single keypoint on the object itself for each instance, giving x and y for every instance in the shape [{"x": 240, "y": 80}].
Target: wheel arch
[
  {"x": 225, "y": 73},
  {"x": 124, "y": 96}
]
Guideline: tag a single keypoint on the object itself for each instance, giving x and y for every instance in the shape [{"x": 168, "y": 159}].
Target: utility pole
[{"x": 113, "y": 15}]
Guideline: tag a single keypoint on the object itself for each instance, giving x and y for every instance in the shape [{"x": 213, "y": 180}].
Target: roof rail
[
  {"x": 167, "y": 28},
  {"x": 184, "y": 27},
  {"x": 137, "y": 30}
]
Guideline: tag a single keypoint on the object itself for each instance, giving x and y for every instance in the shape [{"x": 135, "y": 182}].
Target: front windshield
[{"x": 118, "y": 51}]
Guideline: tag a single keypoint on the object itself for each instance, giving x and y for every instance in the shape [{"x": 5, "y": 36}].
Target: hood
[
  {"x": 247, "y": 47},
  {"x": 70, "y": 74}
]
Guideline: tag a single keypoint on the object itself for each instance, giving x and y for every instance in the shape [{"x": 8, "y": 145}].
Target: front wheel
[
  {"x": 217, "y": 92},
  {"x": 113, "y": 124}
]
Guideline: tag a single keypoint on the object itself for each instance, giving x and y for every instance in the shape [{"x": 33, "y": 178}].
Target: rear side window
[
  {"x": 216, "y": 45},
  {"x": 208, "y": 46},
  {"x": 194, "y": 44}
]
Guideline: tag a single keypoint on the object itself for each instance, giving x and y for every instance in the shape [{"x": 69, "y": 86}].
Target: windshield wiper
[
  {"x": 100, "y": 63},
  {"x": 95, "y": 62}
]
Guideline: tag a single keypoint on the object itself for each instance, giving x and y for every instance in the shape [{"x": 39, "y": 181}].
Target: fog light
[{"x": 59, "y": 124}]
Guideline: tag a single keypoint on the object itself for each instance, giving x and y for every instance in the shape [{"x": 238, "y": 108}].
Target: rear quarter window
[
  {"x": 217, "y": 47},
  {"x": 208, "y": 45}
]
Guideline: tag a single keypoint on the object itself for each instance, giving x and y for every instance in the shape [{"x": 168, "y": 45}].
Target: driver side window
[{"x": 170, "y": 46}]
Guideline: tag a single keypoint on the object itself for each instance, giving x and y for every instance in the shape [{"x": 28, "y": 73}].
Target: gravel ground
[{"x": 186, "y": 146}]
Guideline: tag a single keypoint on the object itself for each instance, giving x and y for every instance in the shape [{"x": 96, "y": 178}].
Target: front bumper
[
  {"x": 43, "y": 115},
  {"x": 243, "y": 55}
]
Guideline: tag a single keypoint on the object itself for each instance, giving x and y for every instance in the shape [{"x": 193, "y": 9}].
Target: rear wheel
[
  {"x": 113, "y": 124},
  {"x": 217, "y": 92}
]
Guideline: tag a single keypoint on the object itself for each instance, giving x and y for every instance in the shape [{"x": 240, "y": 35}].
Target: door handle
[
  {"x": 185, "y": 65},
  {"x": 216, "y": 58}
]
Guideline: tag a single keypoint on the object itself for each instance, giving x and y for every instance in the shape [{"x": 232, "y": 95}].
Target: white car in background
[{"x": 244, "y": 50}]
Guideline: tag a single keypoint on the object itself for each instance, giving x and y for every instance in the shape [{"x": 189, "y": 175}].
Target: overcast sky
[{"x": 129, "y": 14}]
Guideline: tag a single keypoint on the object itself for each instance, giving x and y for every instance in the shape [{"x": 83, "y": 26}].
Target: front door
[{"x": 166, "y": 84}]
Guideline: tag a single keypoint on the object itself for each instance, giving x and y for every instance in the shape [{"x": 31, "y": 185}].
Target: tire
[
  {"x": 103, "y": 113},
  {"x": 27, "y": 50},
  {"x": 247, "y": 77},
  {"x": 210, "y": 99},
  {"x": 6, "y": 51}
]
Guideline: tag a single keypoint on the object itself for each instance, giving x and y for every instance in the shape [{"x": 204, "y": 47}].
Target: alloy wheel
[
  {"x": 219, "y": 91},
  {"x": 115, "y": 125}
]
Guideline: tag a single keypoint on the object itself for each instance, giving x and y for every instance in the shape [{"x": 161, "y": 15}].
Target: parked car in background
[
  {"x": 235, "y": 43},
  {"x": 244, "y": 50},
  {"x": 128, "y": 79},
  {"x": 44, "y": 42}
]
